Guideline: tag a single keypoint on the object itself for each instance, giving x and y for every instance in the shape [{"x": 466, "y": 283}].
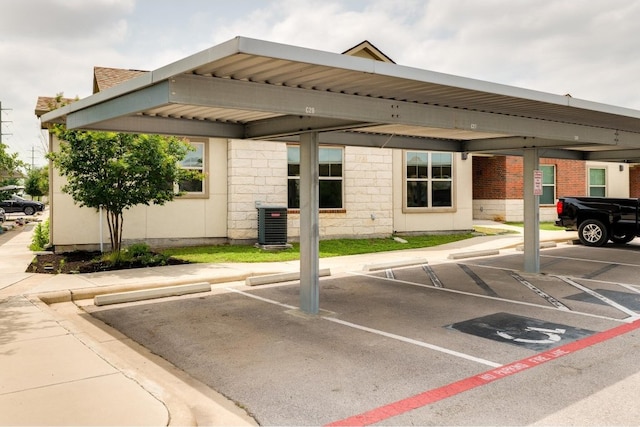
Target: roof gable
[
  {"x": 105, "y": 77},
  {"x": 367, "y": 50},
  {"x": 49, "y": 103}
]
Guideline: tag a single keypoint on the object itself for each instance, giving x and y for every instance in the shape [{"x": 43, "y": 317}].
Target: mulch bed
[{"x": 84, "y": 262}]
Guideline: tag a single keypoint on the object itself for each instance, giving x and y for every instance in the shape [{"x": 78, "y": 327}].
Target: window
[
  {"x": 429, "y": 179},
  {"x": 330, "y": 180},
  {"x": 194, "y": 160},
  {"x": 597, "y": 182},
  {"x": 548, "y": 196}
]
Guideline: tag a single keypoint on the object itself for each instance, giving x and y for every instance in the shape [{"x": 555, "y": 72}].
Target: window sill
[
  {"x": 322, "y": 211},
  {"x": 192, "y": 196},
  {"x": 428, "y": 210}
]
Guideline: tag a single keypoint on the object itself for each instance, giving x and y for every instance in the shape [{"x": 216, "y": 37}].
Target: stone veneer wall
[
  {"x": 508, "y": 210},
  {"x": 368, "y": 202},
  {"x": 258, "y": 174}
]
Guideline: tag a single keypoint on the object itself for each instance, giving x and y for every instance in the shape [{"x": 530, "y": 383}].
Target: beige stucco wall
[
  {"x": 188, "y": 220},
  {"x": 617, "y": 180},
  {"x": 243, "y": 174},
  {"x": 458, "y": 218}
]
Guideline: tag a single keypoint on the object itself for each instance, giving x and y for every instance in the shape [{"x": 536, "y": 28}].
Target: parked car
[
  {"x": 600, "y": 219},
  {"x": 2, "y": 216},
  {"x": 18, "y": 204}
]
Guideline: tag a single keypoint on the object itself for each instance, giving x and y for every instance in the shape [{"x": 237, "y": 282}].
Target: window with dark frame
[
  {"x": 548, "y": 196},
  {"x": 194, "y": 160},
  {"x": 330, "y": 177},
  {"x": 597, "y": 182},
  {"x": 429, "y": 179}
]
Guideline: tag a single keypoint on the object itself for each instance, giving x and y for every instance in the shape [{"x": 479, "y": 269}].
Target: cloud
[
  {"x": 547, "y": 45},
  {"x": 583, "y": 47},
  {"x": 78, "y": 21},
  {"x": 50, "y": 46}
]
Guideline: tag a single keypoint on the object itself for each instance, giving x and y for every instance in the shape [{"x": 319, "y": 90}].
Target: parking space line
[
  {"x": 631, "y": 287},
  {"x": 379, "y": 332},
  {"x": 601, "y": 297},
  {"x": 432, "y": 276},
  {"x": 434, "y": 395},
  {"x": 270, "y": 301},
  {"x": 551, "y": 300},
  {"x": 470, "y": 294},
  {"x": 478, "y": 281},
  {"x": 414, "y": 342},
  {"x": 589, "y": 260},
  {"x": 600, "y": 271}
]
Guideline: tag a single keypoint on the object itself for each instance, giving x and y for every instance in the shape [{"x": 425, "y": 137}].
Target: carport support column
[
  {"x": 531, "y": 213},
  {"x": 309, "y": 224}
]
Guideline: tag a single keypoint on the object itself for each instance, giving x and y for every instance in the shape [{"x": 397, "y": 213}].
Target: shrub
[
  {"x": 138, "y": 250},
  {"x": 40, "y": 238}
]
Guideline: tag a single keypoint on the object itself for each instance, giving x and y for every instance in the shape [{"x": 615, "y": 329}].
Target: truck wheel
[
  {"x": 623, "y": 238},
  {"x": 593, "y": 233}
]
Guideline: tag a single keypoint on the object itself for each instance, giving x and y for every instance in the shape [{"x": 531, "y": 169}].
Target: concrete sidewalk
[{"x": 58, "y": 366}]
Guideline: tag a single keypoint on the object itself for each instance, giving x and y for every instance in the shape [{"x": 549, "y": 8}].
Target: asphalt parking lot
[{"x": 473, "y": 342}]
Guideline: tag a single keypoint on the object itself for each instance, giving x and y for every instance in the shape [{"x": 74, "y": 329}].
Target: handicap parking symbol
[{"x": 534, "y": 334}]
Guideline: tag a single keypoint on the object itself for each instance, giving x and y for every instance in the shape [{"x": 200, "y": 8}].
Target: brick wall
[
  {"x": 571, "y": 176},
  {"x": 634, "y": 181},
  {"x": 501, "y": 177},
  {"x": 489, "y": 177}
]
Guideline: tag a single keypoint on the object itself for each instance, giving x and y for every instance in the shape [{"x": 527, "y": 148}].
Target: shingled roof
[
  {"x": 49, "y": 103},
  {"x": 104, "y": 77}
]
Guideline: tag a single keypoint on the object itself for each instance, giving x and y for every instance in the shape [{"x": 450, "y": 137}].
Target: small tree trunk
[{"x": 115, "y": 221}]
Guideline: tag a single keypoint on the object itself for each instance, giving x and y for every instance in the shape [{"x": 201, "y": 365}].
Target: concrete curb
[
  {"x": 472, "y": 254},
  {"x": 543, "y": 245},
  {"x": 145, "y": 294},
  {"x": 91, "y": 292},
  {"x": 280, "y": 277},
  {"x": 394, "y": 264}
]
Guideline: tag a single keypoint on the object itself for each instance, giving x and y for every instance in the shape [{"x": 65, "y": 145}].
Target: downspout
[{"x": 101, "y": 230}]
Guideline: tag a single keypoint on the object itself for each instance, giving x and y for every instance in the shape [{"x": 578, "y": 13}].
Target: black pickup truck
[{"x": 600, "y": 219}]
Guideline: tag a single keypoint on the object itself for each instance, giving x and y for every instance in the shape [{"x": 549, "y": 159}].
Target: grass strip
[{"x": 327, "y": 248}]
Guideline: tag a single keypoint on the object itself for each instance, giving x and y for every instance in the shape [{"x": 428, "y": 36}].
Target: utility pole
[{"x": 3, "y": 121}]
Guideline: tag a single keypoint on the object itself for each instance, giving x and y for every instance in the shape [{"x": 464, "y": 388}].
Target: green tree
[
  {"x": 117, "y": 171},
  {"x": 10, "y": 169},
  {"x": 9, "y": 162},
  {"x": 37, "y": 183}
]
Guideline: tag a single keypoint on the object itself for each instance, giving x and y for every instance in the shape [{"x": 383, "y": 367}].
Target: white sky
[{"x": 587, "y": 48}]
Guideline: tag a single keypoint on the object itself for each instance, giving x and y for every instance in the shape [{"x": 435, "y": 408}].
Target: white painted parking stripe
[
  {"x": 378, "y": 332},
  {"x": 601, "y": 297},
  {"x": 414, "y": 342},
  {"x": 553, "y": 301},
  {"x": 270, "y": 301},
  {"x": 628, "y": 286},
  {"x": 545, "y": 307},
  {"x": 432, "y": 276},
  {"x": 591, "y": 261},
  {"x": 389, "y": 274}
]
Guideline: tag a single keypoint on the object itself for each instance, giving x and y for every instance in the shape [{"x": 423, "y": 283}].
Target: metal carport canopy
[{"x": 253, "y": 89}]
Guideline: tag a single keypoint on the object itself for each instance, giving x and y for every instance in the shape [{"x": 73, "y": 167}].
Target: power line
[{"x": 3, "y": 121}]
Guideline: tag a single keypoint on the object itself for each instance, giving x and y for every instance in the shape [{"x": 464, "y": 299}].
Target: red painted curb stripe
[{"x": 440, "y": 393}]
